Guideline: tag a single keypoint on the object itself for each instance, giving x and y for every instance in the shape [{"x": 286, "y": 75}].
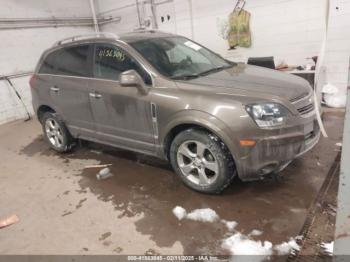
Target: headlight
[{"x": 268, "y": 114}]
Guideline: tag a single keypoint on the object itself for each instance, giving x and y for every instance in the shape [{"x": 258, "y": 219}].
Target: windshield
[{"x": 179, "y": 58}]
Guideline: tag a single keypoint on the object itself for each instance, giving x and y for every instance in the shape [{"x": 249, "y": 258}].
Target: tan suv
[{"x": 167, "y": 96}]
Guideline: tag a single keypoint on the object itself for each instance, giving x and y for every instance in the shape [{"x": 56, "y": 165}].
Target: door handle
[
  {"x": 95, "y": 95},
  {"x": 54, "y": 89}
]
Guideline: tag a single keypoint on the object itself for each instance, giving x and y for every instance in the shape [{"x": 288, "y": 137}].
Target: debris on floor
[
  {"x": 8, "y": 221},
  {"x": 98, "y": 166},
  {"x": 96, "y": 152},
  {"x": 104, "y": 173},
  {"x": 339, "y": 144},
  {"x": 255, "y": 232}
]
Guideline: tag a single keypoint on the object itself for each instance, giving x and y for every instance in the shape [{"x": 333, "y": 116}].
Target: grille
[
  {"x": 306, "y": 109},
  {"x": 303, "y": 95}
]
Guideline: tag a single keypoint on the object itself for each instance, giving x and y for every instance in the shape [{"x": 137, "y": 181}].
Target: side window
[
  {"x": 48, "y": 65},
  {"x": 72, "y": 61},
  {"x": 110, "y": 61}
]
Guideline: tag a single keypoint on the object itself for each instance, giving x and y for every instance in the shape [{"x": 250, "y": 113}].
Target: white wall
[
  {"x": 338, "y": 45},
  {"x": 290, "y": 30},
  {"x": 20, "y": 49},
  {"x": 128, "y": 13}
]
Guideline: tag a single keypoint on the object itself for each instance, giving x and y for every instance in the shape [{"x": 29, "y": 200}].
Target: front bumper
[{"x": 274, "y": 153}]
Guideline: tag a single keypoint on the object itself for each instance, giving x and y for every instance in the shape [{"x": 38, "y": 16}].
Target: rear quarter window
[
  {"x": 70, "y": 61},
  {"x": 48, "y": 65}
]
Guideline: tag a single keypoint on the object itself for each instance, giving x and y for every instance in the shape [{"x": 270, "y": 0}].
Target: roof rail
[{"x": 86, "y": 36}]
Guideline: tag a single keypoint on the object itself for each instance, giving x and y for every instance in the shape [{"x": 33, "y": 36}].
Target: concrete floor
[{"x": 64, "y": 209}]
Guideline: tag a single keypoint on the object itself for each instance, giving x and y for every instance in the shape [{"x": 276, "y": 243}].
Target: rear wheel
[
  {"x": 56, "y": 133},
  {"x": 202, "y": 161}
]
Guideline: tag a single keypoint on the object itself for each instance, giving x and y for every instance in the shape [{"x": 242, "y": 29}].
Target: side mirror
[{"x": 132, "y": 78}]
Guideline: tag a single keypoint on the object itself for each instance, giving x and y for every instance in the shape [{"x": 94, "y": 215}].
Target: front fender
[{"x": 205, "y": 120}]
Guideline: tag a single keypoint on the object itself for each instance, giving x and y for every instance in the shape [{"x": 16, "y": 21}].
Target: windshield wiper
[
  {"x": 191, "y": 76},
  {"x": 215, "y": 69},
  {"x": 185, "y": 77}
]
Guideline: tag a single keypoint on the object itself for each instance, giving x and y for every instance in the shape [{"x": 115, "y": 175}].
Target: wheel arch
[
  {"x": 200, "y": 120},
  {"x": 42, "y": 109}
]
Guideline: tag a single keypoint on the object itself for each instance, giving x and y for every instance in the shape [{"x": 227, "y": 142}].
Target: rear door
[
  {"x": 122, "y": 114},
  {"x": 69, "y": 90}
]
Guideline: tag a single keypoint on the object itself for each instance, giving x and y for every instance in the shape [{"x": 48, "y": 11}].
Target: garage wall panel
[
  {"x": 338, "y": 45},
  {"x": 20, "y": 49},
  {"x": 126, "y": 9}
]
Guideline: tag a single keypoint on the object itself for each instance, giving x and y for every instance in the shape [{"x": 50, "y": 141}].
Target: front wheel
[{"x": 202, "y": 161}]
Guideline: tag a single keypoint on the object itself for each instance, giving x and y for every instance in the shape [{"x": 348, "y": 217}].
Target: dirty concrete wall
[{"x": 20, "y": 48}]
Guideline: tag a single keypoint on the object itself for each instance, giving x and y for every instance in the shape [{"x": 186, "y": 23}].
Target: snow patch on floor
[
  {"x": 328, "y": 247},
  {"x": 287, "y": 247},
  {"x": 239, "y": 244},
  {"x": 179, "y": 212},
  {"x": 204, "y": 215},
  {"x": 229, "y": 224}
]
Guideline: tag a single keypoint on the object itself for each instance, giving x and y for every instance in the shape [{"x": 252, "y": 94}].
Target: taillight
[{"x": 32, "y": 80}]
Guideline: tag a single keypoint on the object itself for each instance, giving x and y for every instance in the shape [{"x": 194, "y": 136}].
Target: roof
[
  {"x": 142, "y": 35},
  {"x": 126, "y": 37}
]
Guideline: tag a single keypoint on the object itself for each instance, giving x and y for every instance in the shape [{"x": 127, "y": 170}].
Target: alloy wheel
[
  {"x": 197, "y": 163},
  {"x": 54, "y": 132}
]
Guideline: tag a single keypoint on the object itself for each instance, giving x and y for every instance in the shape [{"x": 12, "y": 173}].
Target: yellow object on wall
[{"x": 239, "y": 31}]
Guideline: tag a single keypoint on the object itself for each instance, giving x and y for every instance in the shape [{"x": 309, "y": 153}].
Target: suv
[{"x": 165, "y": 95}]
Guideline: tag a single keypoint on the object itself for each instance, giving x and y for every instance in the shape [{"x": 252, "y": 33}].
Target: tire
[
  {"x": 56, "y": 133},
  {"x": 202, "y": 161}
]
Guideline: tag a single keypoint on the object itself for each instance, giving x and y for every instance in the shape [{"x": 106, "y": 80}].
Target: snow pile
[
  {"x": 230, "y": 224},
  {"x": 287, "y": 247},
  {"x": 239, "y": 244},
  {"x": 179, "y": 212},
  {"x": 339, "y": 144},
  {"x": 328, "y": 247},
  {"x": 203, "y": 215}
]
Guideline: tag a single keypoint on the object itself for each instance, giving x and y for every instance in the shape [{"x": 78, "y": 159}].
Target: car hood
[{"x": 257, "y": 80}]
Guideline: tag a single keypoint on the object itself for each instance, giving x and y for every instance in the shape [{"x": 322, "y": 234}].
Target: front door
[{"x": 122, "y": 114}]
